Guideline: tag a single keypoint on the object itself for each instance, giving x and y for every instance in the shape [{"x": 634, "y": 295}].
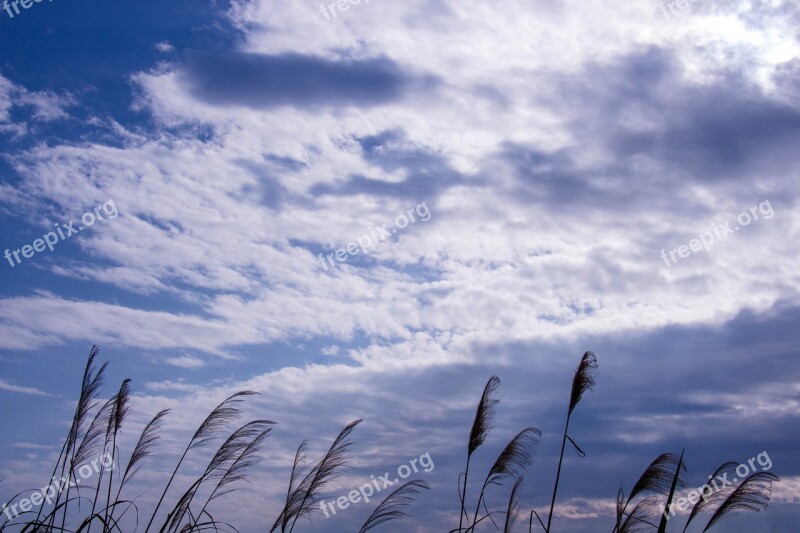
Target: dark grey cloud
[
  {"x": 645, "y": 380},
  {"x": 787, "y": 80},
  {"x": 716, "y": 131},
  {"x": 263, "y": 81},
  {"x": 659, "y": 132},
  {"x": 648, "y": 381},
  {"x": 549, "y": 177},
  {"x": 268, "y": 190},
  {"x": 428, "y": 173}
]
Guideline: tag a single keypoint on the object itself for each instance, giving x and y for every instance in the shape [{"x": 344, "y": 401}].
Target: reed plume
[
  {"x": 293, "y": 496},
  {"x": 484, "y": 415},
  {"x": 220, "y": 463},
  {"x": 120, "y": 412},
  {"x": 582, "y": 381},
  {"x": 392, "y": 507},
  {"x": 215, "y": 422},
  {"x": 715, "y": 496},
  {"x": 662, "y": 526},
  {"x": 512, "y": 462},
  {"x": 300, "y": 501},
  {"x": 661, "y": 477},
  {"x": 639, "y": 519},
  {"x": 143, "y": 449},
  {"x": 513, "y": 505},
  {"x": 752, "y": 495},
  {"x": 91, "y": 384},
  {"x": 236, "y": 472}
]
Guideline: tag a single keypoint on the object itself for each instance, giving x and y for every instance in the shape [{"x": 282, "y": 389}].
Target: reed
[{"x": 97, "y": 425}]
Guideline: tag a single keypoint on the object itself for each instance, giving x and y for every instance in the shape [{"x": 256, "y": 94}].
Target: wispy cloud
[
  {"x": 6, "y": 386},
  {"x": 185, "y": 361},
  {"x": 32, "y": 446}
]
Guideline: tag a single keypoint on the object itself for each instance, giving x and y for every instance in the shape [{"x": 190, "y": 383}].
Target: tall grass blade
[
  {"x": 512, "y": 462},
  {"x": 392, "y": 507},
  {"x": 513, "y": 505},
  {"x": 658, "y": 477},
  {"x": 237, "y": 469},
  {"x": 752, "y": 495},
  {"x": 220, "y": 463},
  {"x": 91, "y": 384},
  {"x": 715, "y": 496},
  {"x": 324, "y": 471},
  {"x": 144, "y": 446},
  {"x": 143, "y": 449},
  {"x": 118, "y": 416},
  {"x": 662, "y": 526},
  {"x": 292, "y": 495},
  {"x": 582, "y": 381},
  {"x": 215, "y": 422},
  {"x": 484, "y": 415},
  {"x": 620, "y": 507},
  {"x": 639, "y": 519}
]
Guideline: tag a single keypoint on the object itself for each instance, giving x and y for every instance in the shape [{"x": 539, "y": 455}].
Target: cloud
[
  {"x": 107, "y": 323},
  {"x": 185, "y": 361},
  {"x": 262, "y": 81},
  {"x": 164, "y": 47},
  {"x": 330, "y": 350},
  {"x": 622, "y": 425},
  {"x": 47, "y": 106},
  {"x": 32, "y": 446},
  {"x": 4, "y": 385},
  {"x": 724, "y": 128},
  {"x": 426, "y": 174}
]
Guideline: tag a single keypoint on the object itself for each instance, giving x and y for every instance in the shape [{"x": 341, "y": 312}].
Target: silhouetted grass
[
  {"x": 95, "y": 430},
  {"x": 97, "y": 425},
  {"x": 636, "y": 513}
]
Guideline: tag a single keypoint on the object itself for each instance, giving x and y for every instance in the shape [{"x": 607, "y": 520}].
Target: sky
[{"x": 367, "y": 211}]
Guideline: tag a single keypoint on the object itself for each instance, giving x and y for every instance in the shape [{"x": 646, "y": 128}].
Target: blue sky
[{"x": 562, "y": 162}]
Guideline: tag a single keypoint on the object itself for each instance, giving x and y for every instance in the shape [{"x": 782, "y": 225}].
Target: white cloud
[
  {"x": 47, "y": 106},
  {"x": 185, "y": 361},
  {"x": 164, "y": 47},
  {"x": 32, "y": 446},
  {"x": 194, "y": 214},
  {"x": 6, "y": 386}
]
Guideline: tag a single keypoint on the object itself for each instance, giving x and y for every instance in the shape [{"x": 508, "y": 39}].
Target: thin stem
[
  {"x": 480, "y": 498},
  {"x": 539, "y": 518},
  {"x": 558, "y": 474},
  {"x": 662, "y": 525},
  {"x": 163, "y": 494},
  {"x": 97, "y": 489},
  {"x": 463, "y": 495},
  {"x": 111, "y": 474},
  {"x": 53, "y": 477}
]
